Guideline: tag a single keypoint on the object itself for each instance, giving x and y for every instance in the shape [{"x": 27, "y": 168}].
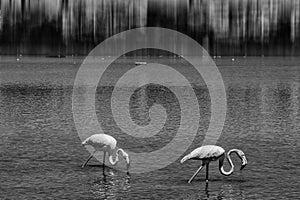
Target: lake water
[{"x": 41, "y": 155}]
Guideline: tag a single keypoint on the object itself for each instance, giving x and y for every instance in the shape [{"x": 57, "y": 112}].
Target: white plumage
[
  {"x": 101, "y": 142},
  {"x": 211, "y": 152}
]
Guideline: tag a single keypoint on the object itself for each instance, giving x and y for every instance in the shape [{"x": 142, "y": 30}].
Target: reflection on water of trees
[{"x": 234, "y": 27}]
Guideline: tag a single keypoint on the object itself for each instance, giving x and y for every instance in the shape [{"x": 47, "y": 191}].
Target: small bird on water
[
  {"x": 210, "y": 153},
  {"x": 107, "y": 144}
]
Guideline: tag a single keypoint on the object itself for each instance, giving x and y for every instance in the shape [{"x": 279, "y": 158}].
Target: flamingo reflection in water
[
  {"x": 110, "y": 186},
  {"x": 210, "y": 153},
  {"x": 107, "y": 144}
]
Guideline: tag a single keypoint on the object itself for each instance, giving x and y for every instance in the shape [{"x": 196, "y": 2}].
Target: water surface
[{"x": 41, "y": 155}]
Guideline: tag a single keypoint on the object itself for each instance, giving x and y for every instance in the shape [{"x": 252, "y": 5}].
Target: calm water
[{"x": 41, "y": 155}]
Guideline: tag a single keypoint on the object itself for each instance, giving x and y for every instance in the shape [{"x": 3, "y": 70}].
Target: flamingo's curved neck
[
  {"x": 221, "y": 164},
  {"x": 114, "y": 153}
]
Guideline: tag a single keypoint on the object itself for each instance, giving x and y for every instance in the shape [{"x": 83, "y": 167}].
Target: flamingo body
[
  {"x": 107, "y": 144},
  {"x": 207, "y": 152},
  {"x": 210, "y": 153},
  {"x": 101, "y": 142}
]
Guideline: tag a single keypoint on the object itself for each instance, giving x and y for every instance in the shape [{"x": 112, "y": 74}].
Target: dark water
[{"x": 41, "y": 155}]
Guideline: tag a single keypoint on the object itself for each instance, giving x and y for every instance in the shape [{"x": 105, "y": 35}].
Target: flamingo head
[
  {"x": 126, "y": 158},
  {"x": 244, "y": 163}
]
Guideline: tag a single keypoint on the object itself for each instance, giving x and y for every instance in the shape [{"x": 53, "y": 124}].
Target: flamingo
[
  {"x": 107, "y": 144},
  {"x": 210, "y": 153}
]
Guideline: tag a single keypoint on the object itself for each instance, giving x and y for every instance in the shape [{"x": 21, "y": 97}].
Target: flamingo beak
[
  {"x": 128, "y": 164},
  {"x": 244, "y": 162}
]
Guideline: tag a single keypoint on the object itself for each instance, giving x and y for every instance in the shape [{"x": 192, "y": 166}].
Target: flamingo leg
[
  {"x": 89, "y": 158},
  {"x": 207, "y": 166},
  {"x": 104, "y": 154},
  {"x": 192, "y": 178}
]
